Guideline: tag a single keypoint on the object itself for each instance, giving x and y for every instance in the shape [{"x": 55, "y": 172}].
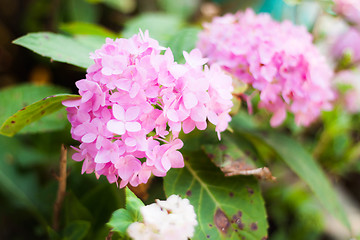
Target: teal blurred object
[{"x": 299, "y": 12}]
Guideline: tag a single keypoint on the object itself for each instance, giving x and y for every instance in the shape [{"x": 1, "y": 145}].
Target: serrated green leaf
[
  {"x": 33, "y": 112},
  {"x": 226, "y": 207},
  {"x": 161, "y": 26},
  {"x": 120, "y": 221},
  {"x": 58, "y": 47},
  {"x": 122, "y": 218},
  {"x": 76, "y": 230},
  {"x": 184, "y": 40},
  {"x": 133, "y": 205},
  {"x": 84, "y": 28}
]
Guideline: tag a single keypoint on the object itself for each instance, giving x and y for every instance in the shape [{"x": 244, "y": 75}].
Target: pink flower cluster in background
[
  {"x": 135, "y": 102},
  {"x": 278, "y": 59},
  {"x": 348, "y": 42},
  {"x": 350, "y": 95},
  {"x": 349, "y": 9}
]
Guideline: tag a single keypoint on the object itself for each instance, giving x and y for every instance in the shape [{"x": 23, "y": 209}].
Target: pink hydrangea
[
  {"x": 349, "y": 9},
  {"x": 134, "y": 103},
  {"x": 348, "y": 42},
  {"x": 350, "y": 96},
  {"x": 278, "y": 59}
]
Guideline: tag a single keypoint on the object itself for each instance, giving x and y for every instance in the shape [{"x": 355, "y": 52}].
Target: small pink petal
[
  {"x": 190, "y": 100},
  {"x": 123, "y": 84},
  {"x": 201, "y": 125},
  {"x": 107, "y": 71},
  {"x": 131, "y": 166},
  {"x": 72, "y": 103},
  {"x": 198, "y": 114},
  {"x": 213, "y": 117},
  {"x": 165, "y": 162},
  {"x": 111, "y": 178},
  {"x": 172, "y": 115},
  {"x": 176, "y": 159},
  {"x": 118, "y": 112},
  {"x": 132, "y": 113},
  {"x": 188, "y": 125},
  {"x": 131, "y": 142},
  {"x": 88, "y": 138},
  {"x": 134, "y": 90},
  {"x": 115, "y": 126},
  {"x": 123, "y": 183},
  {"x": 177, "y": 70},
  {"x": 278, "y": 117},
  {"x": 78, "y": 157},
  {"x": 102, "y": 157},
  {"x": 132, "y": 126}
]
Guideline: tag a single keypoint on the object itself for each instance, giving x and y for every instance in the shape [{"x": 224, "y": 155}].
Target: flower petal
[
  {"x": 119, "y": 112},
  {"x": 116, "y": 127},
  {"x": 190, "y": 100},
  {"x": 132, "y": 126},
  {"x": 132, "y": 113}
]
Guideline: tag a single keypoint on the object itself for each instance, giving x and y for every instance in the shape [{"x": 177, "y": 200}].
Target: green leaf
[
  {"x": 184, "y": 8},
  {"x": 75, "y": 210},
  {"x": 33, "y": 112},
  {"x": 232, "y": 152},
  {"x": 52, "y": 234},
  {"x": 120, "y": 221},
  {"x": 58, "y": 47},
  {"x": 20, "y": 188},
  {"x": 102, "y": 208},
  {"x": 84, "y": 28},
  {"x": 302, "y": 163},
  {"x": 76, "y": 230},
  {"x": 133, "y": 205},
  {"x": 91, "y": 41},
  {"x": 226, "y": 207},
  {"x": 184, "y": 40},
  {"x": 161, "y": 26},
  {"x": 122, "y": 218}
]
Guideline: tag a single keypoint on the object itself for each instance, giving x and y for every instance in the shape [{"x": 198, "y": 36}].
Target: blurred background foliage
[{"x": 29, "y": 161}]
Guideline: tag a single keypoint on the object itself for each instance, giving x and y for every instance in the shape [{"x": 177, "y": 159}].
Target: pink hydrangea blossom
[
  {"x": 135, "y": 101},
  {"x": 348, "y": 42},
  {"x": 349, "y": 9},
  {"x": 277, "y": 59},
  {"x": 350, "y": 80}
]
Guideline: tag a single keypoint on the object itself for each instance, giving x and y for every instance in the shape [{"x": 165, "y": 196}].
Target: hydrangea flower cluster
[
  {"x": 134, "y": 103},
  {"x": 278, "y": 59},
  {"x": 349, "y": 79},
  {"x": 349, "y": 9},
  {"x": 171, "y": 219},
  {"x": 348, "y": 42}
]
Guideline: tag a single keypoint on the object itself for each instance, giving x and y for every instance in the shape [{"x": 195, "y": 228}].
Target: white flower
[{"x": 174, "y": 219}]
